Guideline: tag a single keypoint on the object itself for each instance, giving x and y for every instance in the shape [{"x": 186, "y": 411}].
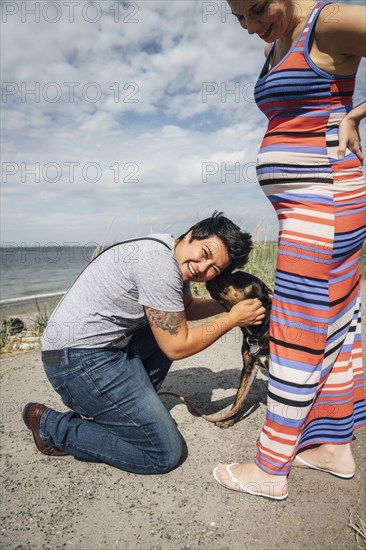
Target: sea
[{"x": 29, "y": 273}]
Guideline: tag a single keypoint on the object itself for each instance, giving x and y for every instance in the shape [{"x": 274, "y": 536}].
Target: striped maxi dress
[{"x": 315, "y": 392}]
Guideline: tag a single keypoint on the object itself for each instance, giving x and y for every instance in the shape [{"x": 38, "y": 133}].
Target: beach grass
[
  {"x": 15, "y": 334},
  {"x": 262, "y": 264},
  {"x": 5, "y": 333},
  {"x": 359, "y": 528},
  {"x": 41, "y": 320}
]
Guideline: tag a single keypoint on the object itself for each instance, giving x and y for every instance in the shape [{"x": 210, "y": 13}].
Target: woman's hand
[
  {"x": 247, "y": 312},
  {"x": 349, "y": 134}
]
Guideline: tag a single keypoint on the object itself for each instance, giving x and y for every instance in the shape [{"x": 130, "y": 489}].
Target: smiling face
[
  {"x": 201, "y": 260},
  {"x": 269, "y": 19}
]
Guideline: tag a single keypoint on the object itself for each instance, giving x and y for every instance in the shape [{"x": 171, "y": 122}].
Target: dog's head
[{"x": 230, "y": 288}]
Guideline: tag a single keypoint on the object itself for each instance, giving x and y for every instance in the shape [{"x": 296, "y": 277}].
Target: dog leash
[
  {"x": 224, "y": 416},
  {"x": 252, "y": 340}
]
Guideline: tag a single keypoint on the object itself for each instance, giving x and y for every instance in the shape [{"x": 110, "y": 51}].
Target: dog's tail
[{"x": 224, "y": 416}]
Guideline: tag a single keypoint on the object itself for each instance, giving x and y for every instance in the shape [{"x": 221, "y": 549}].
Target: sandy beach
[
  {"x": 54, "y": 503},
  {"x": 28, "y": 310}
]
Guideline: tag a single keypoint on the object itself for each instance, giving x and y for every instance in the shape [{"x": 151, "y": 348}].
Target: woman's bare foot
[
  {"x": 249, "y": 478},
  {"x": 334, "y": 458}
]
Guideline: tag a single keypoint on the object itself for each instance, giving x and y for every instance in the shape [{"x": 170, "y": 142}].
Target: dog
[{"x": 228, "y": 289}]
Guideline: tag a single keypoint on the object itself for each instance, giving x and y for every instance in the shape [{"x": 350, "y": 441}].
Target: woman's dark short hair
[{"x": 237, "y": 242}]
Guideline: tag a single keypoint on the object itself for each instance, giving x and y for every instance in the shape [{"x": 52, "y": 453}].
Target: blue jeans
[{"x": 116, "y": 415}]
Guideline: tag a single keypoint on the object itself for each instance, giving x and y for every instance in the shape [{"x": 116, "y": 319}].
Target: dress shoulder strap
[
  {"x": 267, "y": 62},
  {"x": 307, "y": 30},
  {"x": 298, "y": 48}
]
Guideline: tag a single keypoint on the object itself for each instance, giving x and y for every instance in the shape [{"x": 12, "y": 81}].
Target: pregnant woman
[{"x": 310, "y": 168}]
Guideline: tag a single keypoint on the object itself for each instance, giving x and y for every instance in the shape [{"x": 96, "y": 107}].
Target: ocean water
[{"x": 40, "y": 271}]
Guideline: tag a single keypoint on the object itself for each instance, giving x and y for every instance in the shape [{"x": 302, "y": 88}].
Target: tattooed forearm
[{"x": 164, "y": 320}]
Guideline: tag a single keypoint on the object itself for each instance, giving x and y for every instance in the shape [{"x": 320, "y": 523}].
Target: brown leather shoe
[{"x": 32, "y": 413}]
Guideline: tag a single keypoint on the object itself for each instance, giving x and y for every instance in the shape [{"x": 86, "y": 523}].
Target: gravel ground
[{"x": 55, "y": 503}]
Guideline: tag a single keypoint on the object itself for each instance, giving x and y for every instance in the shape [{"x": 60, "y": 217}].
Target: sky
[{"x": 126, "y": 118}]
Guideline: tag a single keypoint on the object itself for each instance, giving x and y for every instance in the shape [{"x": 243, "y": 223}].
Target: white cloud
[{"x": 159, "y": 100}]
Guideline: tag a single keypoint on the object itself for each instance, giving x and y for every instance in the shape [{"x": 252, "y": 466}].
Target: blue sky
[{"x": 124, "y": 118}]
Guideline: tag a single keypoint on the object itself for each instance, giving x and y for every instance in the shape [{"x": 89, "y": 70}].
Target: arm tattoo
[{"x": 165, "y": 321}]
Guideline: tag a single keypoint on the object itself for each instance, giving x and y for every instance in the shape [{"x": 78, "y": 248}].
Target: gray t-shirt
[{"x": 108, "y": 297}]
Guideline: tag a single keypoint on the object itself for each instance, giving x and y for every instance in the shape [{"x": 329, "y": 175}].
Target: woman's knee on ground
[{"x": 168, "y": 457}]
